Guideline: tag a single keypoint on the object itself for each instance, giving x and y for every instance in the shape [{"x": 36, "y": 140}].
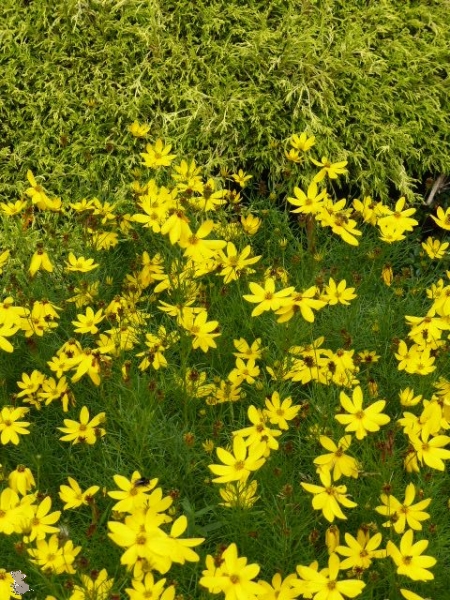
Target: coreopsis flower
[
  {"x": 337, "y": 461},
  {"x": 328, "y": 497},
  {"x": 304, "y": 302},
  {"x": 279, "y": 413},
  {"x": 435, "y": 249},
  {"x": 73, "y": 496},
  {"x": 245, "y": 351},
  {"x": 239, "y": 494},
  {"x": 358, "y": 419},
  {"x": 398, "y": 218},
  {"x": 407, "y": 397},
  {"x": 309, "y": 203},
  {"x": 341, "y": 224},
  {"x": 404, "y": 514},
  {"x": 250, "y": 224},
  {"x": 201, "y": 330},
  {"x": 326, "y": 586},
  {"x": 266, "y": 297},
  {"x": 81, "y": 264},
  {"x": 238, "y": 465},
  {"x": 280, "y": 589},
  {"x": 234, "y": 577},
  {"x": 196, "y": 247},
  {"x": 337, "y": 294},
  {"x": 329, "y": 168},
  {"x": 431, "y": 452},
  {"x": 88, "y": 323},
  {"x": 40, "y": 261},
  {"x": 158, "y": 155},
  {"x": 10, "y": 426},
  {"x": 139, "y": 131},
  {"x": 293, "y": 155},
  {"x": 443, "y": 218},
  {"x": 97, "y": 587},
  {"x": 244, "y": 372},
  {"x": 13, "y": 208},
  {"x": 84, "y": 431},
  {"x": 37, "y": 527},
  {"x": 241, "y": 178},
  {"x": 302, "y": 142},
  {"x": 21, "y": 480},
  {"x": 258, "y": 432},
  {"x": 147, "y": 587},
  {"x": 7, "y": 330},
  {"x": 233, "y": 264},
  {"x": 51, "y": 555},
  {"x": 409, "y": 559},
  {"x": 360, "y": 550},
  {"x": 131, "y": 496}
]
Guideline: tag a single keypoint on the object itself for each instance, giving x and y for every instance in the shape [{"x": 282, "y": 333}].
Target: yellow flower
[
  {"x": 73, "y": 496},
  {"x": 302, "y": 142},
  {"x": 239, "y": 465},
  {"x": 266, "y": 297},
  {"x": 21, "y": 480},
  {"x": 234, "y": 577},
  {"x": 251, "y": 224},
  {"x": 279, "y": 413},
  {"x": 158, "y": 155},
  {"x": 387, "y": 275},
  {"x": 10, "y": 427},
  {"x": 408, "y": 558},
  {"x": 201, "y": 330},
  {"x": 434, "y": 248},
  {"x": 81, "y": 264},
  {"x": 239, "y": 494},
  {"x": 361, "y": 421},
  {"x": 338, "y": 294},
  {"x": 98, "y": 587},
  {"x": 404, "y": 514},
  {"x": 241, "y": 178},
  {"x": 88, "y": 323},
  {"x": 83, "y": 431},
  {"x": 431, "y": 452},
  {"x": 443, "y": 218},
  {"x": 147, "y": 587},
  {"x": 325, "y": 585},
  {"x": 244, "y": 372},
  {"x": 40, "y": 260},
  {"x": 329, "y": 168},
  {"x": 337, "y": 461},
  {"x": 138, "y": 130},
  {"x": 198, "y": 248},
  {"x": 309, "y": 203},
  {"x": 328, "y": 497},
  {"x": 360, "y": 550}
]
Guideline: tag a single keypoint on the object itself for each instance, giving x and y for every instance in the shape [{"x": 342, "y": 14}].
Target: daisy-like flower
[
  {"x": 88, "y": 323},
  {"x": 239, "y": 465},
  {"x": 337, "y": 461},
  {"x": 443, "y": 218},
  {"x": 241, "y": 178},
  {"x": 246, "y": 351},
  {"x": 338, "y": 294},
  {"x": 266, "y": 297},
  {"x": 279, "y": 413},
  {"x": 404, "y": 514},
  {"x": 280, "y": 588},
  {"x": 435, "y": 249},
  {"x": 84, "y": 431},
  {"x": 138, "y": 130},
  {"x": 147, "y": 587},
  {"x": 329, "y": 168},
  {"x": 325, "y": 585},
  {"x": 21, "y": 480},
  {"x": 81, "y": 264},
  {"x": 40, "y": 261},
  {"x": 431, "y": 452},
  {"x": 250, "y": 224},
  {"x": 10, "y": 426},
  {"x": 239, "y": 494},
  {"x": 309, "y": 203},
  {"x": 41, "y": 523},
  {"x": 98, "y": 587},
  {"x": 73, "y": 496},
  {"x": 258, "y": 432},
  {"x": 408, "y": 558},
  {"x": 234, "y": 577},
  {"x": 131, "y": 496},
  {"x": 302, "y": 142},
  {"x": 158, "y": 155},
  {"x": 358, "y": 419},
  {"x": 360, "y": 550},
  {"x": 328, "y": 497},
  {"x": 398, "y": 218}
]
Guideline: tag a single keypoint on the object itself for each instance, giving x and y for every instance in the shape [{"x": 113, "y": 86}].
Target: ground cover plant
[
  {"x": 204, "y": 398},
  {"x": 226, "y": 82}
]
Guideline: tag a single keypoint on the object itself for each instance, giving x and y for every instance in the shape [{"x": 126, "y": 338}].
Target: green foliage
[{"x": 227, "y": 82}]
